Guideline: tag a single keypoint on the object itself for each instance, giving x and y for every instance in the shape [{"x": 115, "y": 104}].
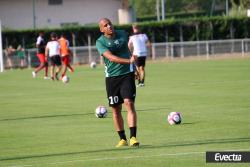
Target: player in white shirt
[
  {"x": 139, "y": 45},
  {"x": 52, "y": 51}
]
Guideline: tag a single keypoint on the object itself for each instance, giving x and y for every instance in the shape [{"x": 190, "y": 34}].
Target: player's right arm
[
  {"x": 110, "y": 56},
  {"x": 117, "y": 59},
  {"x": 38, "y": 41}
]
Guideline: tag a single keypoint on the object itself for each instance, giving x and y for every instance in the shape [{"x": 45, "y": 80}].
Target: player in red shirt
[
  {"x": 65, "y": 53},
  {"x": 40, "y": 44}
]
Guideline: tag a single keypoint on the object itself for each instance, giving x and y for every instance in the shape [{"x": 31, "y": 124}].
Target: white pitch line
[
  {"x": 115, "y": 158},
  {"x": 111, "y": 158},
  {"x": 126, "y": 157}
]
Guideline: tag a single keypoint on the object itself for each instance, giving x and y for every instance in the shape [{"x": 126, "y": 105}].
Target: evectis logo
[
  {"x": 228, "y": 157},
  {"x": 224, "y": 157}
]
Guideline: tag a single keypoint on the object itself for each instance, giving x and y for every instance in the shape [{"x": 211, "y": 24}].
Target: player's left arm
[
  {"x": 149, "y": 46},
  {"x": 130, "y": 45},
  {"x": 70, "y": 52},
  {"x": 46, "y": 52}
]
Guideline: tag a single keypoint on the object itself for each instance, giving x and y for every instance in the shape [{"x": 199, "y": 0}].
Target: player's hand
[
  {"x": 132, "y": 59},
  {"x": 135, "y": 57}
]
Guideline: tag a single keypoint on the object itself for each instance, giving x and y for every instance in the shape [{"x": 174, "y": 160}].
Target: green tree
[
  {"x": 148, "y": 7},
  {"x": 144, "y": 7},
  {"x": 239, "y": 7}
]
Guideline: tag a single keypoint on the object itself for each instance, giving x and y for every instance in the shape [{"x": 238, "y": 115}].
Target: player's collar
[{"x": 137, "y": 33}]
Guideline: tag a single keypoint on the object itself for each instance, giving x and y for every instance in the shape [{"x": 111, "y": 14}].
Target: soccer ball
[
  {"x": 93, "y": 64},
  {"x": 101, "y": 112},
  {"x": 174, "y": 118},
  {"x": 65, "y": 79}
]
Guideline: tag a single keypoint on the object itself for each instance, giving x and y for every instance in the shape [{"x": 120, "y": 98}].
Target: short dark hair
[
  {"x": 63, "y": 34},
  {"x": 41, "y": 33},
  {"x": 53, "y": 35}
]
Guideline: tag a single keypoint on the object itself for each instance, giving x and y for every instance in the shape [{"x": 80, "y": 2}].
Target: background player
[
  {"x": 40, "y": 44},
  {"x": 53, "y": 51},
  {"x": 65, "y": 54},
  {"x": 138, "y": 44}
]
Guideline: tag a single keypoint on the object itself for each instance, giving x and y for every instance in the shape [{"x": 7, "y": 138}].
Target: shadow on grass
[
  {"x": 70, "y": 115},
  {"x": 167, "y": 145},
  {"x": 200, "y": 142},
  {"x": 45, "y": 116},
  {"x": 189, "y": 123},
  {"x": 154, "y": 109}
]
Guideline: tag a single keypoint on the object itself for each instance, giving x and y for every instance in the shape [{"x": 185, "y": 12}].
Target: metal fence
[
  {"x": 169, "y": 50},
  {"x": 206, "y": 49}
]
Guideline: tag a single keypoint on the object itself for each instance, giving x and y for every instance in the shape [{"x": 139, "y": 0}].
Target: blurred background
[{"x": 177, "y": 28}]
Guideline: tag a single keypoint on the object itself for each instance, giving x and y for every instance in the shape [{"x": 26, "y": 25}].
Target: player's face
[
  {"x": 106, "y": 27},
  {"x": 135, "y": 30}
]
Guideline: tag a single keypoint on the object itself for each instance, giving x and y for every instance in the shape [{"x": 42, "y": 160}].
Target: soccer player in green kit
[{"x": 120, "y": 80}]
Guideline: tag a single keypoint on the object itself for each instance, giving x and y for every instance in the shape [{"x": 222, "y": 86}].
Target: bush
[{"x": 195, "y": 28}]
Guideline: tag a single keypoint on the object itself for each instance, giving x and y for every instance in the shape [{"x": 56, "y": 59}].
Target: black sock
[
  {"x": 133, "y": 131},
  {"x": 122, "y": 134},
  {"x": 142, "y": 81},
  {"x": 57, "y": 76}
]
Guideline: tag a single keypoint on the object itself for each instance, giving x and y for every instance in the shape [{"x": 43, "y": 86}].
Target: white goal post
[{"x": 1, "y": 49}]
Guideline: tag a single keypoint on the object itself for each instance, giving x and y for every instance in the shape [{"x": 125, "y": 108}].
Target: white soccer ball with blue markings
[
  {"x": 101, "y": 112},
  {"x": 93, "y": 64},
  {"x": 65, "y": 79},
  {"x": 174, "y": 118}
]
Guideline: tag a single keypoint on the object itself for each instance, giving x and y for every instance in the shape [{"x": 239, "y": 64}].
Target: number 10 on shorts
[{"x": 113, "y": 100}]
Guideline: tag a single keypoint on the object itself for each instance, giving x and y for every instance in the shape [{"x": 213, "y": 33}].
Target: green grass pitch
[{"x": 45, "y": 123}]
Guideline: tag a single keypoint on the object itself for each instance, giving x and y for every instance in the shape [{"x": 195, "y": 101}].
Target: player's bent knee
[{"x": 128, "y": 102}]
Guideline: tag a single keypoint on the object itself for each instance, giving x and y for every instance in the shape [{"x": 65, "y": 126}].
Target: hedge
[{"x": 170, "y": 30}]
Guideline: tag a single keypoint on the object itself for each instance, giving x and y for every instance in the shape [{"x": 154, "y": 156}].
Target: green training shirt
[{"x": 118, "y": 46}]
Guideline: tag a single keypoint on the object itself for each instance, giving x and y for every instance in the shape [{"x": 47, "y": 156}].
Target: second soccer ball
[
  {"x": 174, "y": 118},
  {"x": 101, "y": 112}
]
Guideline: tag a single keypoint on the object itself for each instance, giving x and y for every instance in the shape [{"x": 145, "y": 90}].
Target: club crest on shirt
[{"x": 116, "y": 42}]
